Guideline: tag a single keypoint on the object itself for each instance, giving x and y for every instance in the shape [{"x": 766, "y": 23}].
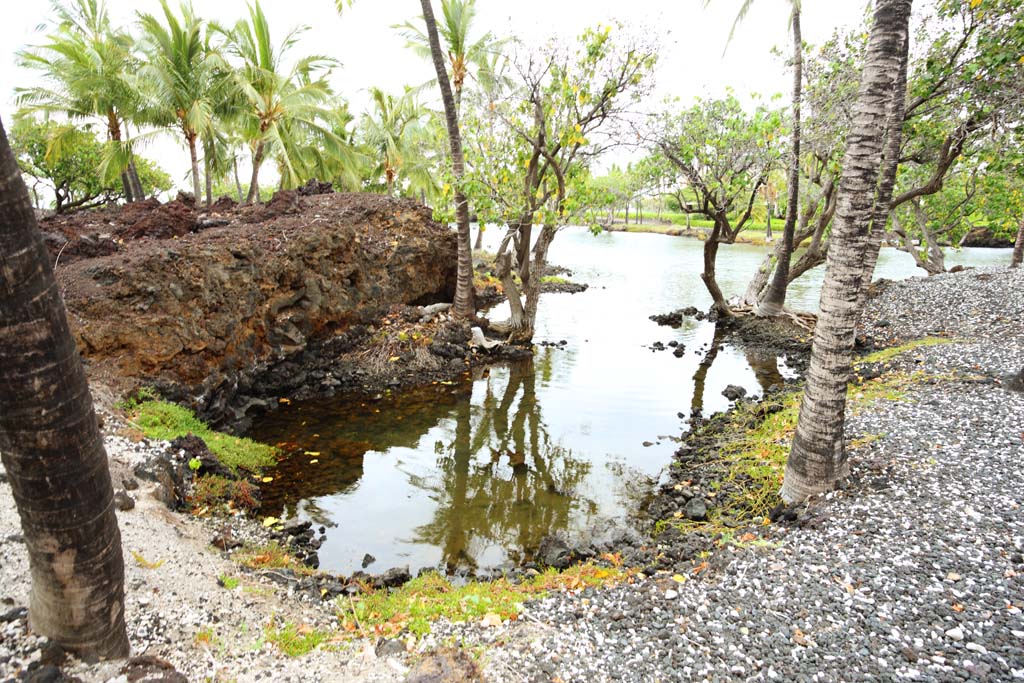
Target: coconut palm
[
  {"x": 85, "y": 70},
  {"x": 280, "y": 108},
  {"x": 51, "y": 446},
  {"x": 818, "y": 457},
  {"x": 180, "y": 80},
  {"x": 395, "y": 135},
  {"x": 455, "y": 32}
]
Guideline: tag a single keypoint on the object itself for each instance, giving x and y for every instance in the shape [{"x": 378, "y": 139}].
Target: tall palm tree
[
  {"x": 818, "y": 457},
  {"x": 455, "y": 33},
  {"x": 278, "y": 106},
  {"x": 394, "y": 135},
  {"x": 178, "y": 80},
  {"x": 463, "y": 306},
  {"x": 51, "y": 446},
  {"x": 86, "y": 65}
]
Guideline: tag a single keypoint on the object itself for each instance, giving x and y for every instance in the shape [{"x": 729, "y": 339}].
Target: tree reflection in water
[{"x": 501, "y": 480}]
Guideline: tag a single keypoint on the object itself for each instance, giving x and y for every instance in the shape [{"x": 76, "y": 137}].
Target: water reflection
[{"x": 501, "y": 481}]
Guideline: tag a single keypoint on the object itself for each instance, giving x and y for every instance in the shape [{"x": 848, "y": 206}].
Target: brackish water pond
[{"x": 475, "y": 474}]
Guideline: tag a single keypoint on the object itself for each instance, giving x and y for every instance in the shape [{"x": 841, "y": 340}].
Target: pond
[{"x": 476, "y": 473}]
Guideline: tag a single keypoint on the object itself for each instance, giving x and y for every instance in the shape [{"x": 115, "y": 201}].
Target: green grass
[
  {"x": 431, "y": 596},
  {"x": 295, "y": 640},
  {"x": 890, "y": 353},
  {"x": 755, "y": 446},
  {"x": 553, "y": 280},
  {"x": 166, "y": 421}
]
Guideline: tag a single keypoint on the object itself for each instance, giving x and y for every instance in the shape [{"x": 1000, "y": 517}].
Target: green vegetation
[
  {"x": 166, "y": 421},
  {"x": 890, "y": 353},
  {"x": 553, "y": 280},
  {"x": 229, "y": 582},
  {"x": 270, "y": 556},
  {"x": 295, "y": 640},
  {"x": 431, "y": 596}
]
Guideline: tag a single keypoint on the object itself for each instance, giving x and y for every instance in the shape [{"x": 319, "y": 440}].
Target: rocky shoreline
[{"x": 913, "y": 570}]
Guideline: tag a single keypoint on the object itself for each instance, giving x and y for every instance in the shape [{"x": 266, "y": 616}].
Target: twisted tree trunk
[
  {"x": 775, "y": 299},
  {"x": 196, "y": 191},
  {"x": 51, "y": 446},
  {"x": 254, "y": 181},
  {"x": 1018, "y": 247},
  {"x": 818, "y": 457},
  {"x": 463, "y": 306}
]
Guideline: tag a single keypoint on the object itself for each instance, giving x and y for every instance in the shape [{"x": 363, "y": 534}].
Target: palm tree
[
  {"x": 463, "y": 306},
  {"x": 51, "y": 447},
  {"x": 818, "y": 457},
  {"x": 454, "y": 32},
  {"x": 394, "y": 135},
  {"x": 179, "y": 79},
  {"x": 86, "y": 66},
  {"x": 279, "y": 108}
]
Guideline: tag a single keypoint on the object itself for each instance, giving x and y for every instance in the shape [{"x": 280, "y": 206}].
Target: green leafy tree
[
  {"x": 66, "y": 159},
  {"x": 532, "y": 144},
  {"x": 725, "y": 155},
  {"x": 396, "y": 136}
]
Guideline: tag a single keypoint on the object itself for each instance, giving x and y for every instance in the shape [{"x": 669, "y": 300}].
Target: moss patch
[
  {"x": 890, "y": 353},
  {"x": 166, "y": 421},
  {"x": 431, "y": 596}
]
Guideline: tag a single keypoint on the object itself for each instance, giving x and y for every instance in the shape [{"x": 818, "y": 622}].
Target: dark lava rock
[
  {"x": 123, "y": 502},
  {"x": 658, "y": 346},
  {"x": 13, "y": 614},
  {"x": 149, "y": 669},
  {"x": 393, "y": 578},
  {"x": 130, "y": 483},
  {"x": 195, "y": 448},
  {"x": 554, "y": 552},
  {"x": 388, "y": 647},
  {"x": 52, "y": 654},
  {"x": 696, "y": 509},
  {"x": 680, "y": 351},
  {"x": 733, "y": 392},
  {"x": 1016, "y": 382},
  {"x": 446, "y": 666},
  {"x": 47, "y": 673},
  {"x": 314, "y": 187},
  {"x": 368, "y": 559}
]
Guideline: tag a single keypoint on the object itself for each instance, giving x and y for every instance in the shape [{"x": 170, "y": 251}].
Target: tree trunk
[
  {"x": 463, "y": 306},
  {"x": 708, "y": 276},
  {"x": 138, "y": 192},
  {"x": 238, "y": 183},
  {"x": 479, "y": 237},
  {"x": 818, "y": 456},
  {"x": 126, "y": 185},
  {"x": 775, "y": 299},
  {"x": 1018, "y": 247},
  {"x": 890, "y": 167},
  {"x": 207, "y": 177},
  {"x": 196, "y": 191},
  {"x": 768, "y": 222},
  {"x": 254, "y": 181},
  {"x": 51, "y": 446}
]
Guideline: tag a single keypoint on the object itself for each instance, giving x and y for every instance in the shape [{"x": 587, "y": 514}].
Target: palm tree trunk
[
  {"x": 196, "y": 191},
  {"x": 775, "y": 299},
  {"x": 818, "y": 457},
  {"x": 1018, "y": 247},
  {"x": 126, "y": 185},
  {"x": 51, "y": 446},
  {"x": 463, "y": 306},
  {"x": 138, "y": 193},
  {"x": 238, "y": 183},
  {"x": 890, "y": 165},
  {"x": 207, "y": 177},
  {"x": 254, "y": 182}
]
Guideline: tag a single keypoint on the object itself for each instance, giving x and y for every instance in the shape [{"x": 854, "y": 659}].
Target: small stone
[
  {"x": 123, "y": 502},
  {"x": 953, "y": 576},
  {"x": 368, "y": 559},
  {"x": 696, "y": 509},
  {"x": 955, "y": 633},
  {"x": 671, "y": 594},
  {"x": 975, "y": 647}
]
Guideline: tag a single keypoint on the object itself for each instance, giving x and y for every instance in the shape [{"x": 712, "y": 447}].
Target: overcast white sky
[{"x": 691, "y": 63}]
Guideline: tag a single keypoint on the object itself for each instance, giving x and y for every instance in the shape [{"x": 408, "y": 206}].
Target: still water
[{"x": 475, "y": 474}]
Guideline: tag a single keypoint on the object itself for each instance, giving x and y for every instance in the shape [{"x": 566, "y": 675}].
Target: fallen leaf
[
  {"x": 957, "y": 607},
  {"x": 284, "y": 401},
  {"x": 679, "y": 578},
  {"x": 747, "y": 537},
  {"x": 270, "y": 521},
  {"x": 312, "y": 453},
  {"x": 491, "y": 619},
  {"x": 267, "y": 480}
]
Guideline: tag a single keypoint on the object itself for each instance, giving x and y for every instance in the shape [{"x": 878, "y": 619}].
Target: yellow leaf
[
  {"x": 312, "y": 453},
  {"x": 975, "y": 3},
  {"x": 679, "y": 578},
  {"x": 283, "y": 401},
  {"x": 267, "y": 480},
  {"x": 313, "y": 461},
  {"x": 491, "y": 619},
  {"x": 270, "y": 521},
  {"x": 394, "y": 359}
]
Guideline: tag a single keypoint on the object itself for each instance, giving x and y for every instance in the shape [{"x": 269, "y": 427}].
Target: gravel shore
[{"x": 913, "y": 570}]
